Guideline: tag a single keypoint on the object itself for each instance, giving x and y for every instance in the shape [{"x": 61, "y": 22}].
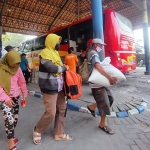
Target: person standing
[
  {"x": 25, "y": 67},
  {"x": 82, "y": 57},
  {"x": 71, "y": 60},
  {"x": 11, "y": 82},
  {"x": 9, "y": 48},
  {"x": 51, "y": 85},
  {"x": 102, "y": 95}
]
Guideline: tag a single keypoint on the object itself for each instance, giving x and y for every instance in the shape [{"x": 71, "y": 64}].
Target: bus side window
[
  {"x": 39, "y": 43},
  {"x": 28, "y": 46}
]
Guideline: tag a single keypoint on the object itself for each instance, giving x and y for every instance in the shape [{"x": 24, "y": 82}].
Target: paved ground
[{"x": 131, "y": 133}]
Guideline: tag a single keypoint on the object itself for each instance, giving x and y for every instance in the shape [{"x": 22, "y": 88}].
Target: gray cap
[{"x": 97, "y": 40}]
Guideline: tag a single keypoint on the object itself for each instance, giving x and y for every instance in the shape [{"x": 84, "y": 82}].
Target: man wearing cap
[
  {"x": 9, "y": 48},
  {"x": 102, "y": 95}
]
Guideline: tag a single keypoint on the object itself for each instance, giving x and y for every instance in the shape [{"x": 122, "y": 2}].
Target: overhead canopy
[{"x": 36, "y": 17}]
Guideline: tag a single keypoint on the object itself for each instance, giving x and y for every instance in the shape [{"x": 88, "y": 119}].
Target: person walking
[
  {"x": 102, "y": 95},
  {"x": 51, "y": 85},
  {"x": 11, "y": 81},
  {"x": 71, "y": 60},
  {"x": 25, "y": 67}
]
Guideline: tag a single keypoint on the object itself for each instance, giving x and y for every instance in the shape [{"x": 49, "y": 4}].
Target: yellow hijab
[
  {"x": 49, "y": 52},
  {"x": 12, "y": 57}
]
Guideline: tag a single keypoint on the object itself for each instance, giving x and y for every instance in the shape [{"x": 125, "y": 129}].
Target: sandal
[
  {"x": 92, "y": 111},
  {"x": 15, "y": 140},
  {"x": 65, "y": 137},
  {"x": 14, "y": 148},
  {"x": 107, "y": 130},
  {"x": 36, "y": 137}
]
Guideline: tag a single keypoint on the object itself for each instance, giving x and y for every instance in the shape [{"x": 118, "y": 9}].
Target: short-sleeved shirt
[
  {"x": 71, "y": 60},
  {"x": 23, "y": 64},
  {"x": 94, "y": 59}
]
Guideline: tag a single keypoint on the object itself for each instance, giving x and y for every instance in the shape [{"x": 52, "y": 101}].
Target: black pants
[{"x": 26, "y": 74}]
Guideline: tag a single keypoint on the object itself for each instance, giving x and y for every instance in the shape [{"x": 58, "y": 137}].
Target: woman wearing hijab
[
  {"x": 51, "y": 85},
  {"x": 11, "y": 81}
]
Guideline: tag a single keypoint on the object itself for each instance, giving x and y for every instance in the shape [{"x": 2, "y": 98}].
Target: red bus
[{"x": 118, "y": 36}]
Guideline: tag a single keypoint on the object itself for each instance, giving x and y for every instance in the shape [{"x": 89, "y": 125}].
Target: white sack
[{"x": 97, "y": 78}]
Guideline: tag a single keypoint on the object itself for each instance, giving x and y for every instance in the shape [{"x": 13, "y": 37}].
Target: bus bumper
[{"x": 127, "y": 68}]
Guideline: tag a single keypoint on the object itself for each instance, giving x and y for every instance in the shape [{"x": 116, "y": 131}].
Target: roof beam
[
  {"x": 120, "y": 9},
  {"x": 137, "y": 4},
  {"x": 2, "y": 12},
  {"x": 58, "y": 14},
  {"x": 127, "y": 1}
]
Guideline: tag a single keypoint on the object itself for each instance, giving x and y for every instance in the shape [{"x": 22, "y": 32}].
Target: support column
[
  {"x": 0, "y": 39},
  {"x": 146, "y": 38},
  {"x": 97, "y": 16}
]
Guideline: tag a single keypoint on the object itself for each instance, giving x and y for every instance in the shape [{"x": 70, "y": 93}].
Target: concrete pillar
[
  {"x": 146, "y": 38},
  {"x": 97, "y": 16},
  {"x": 0, "y": 40}
]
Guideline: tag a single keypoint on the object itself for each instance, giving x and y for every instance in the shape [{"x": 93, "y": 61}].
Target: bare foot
[{"x": 11, "y": 143}]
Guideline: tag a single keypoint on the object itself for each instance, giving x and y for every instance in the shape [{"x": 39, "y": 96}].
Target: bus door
[{"x": 81, "y": 33}]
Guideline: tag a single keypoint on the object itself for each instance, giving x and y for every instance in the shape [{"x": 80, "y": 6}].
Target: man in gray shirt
[{"x": 102, "y": 95}]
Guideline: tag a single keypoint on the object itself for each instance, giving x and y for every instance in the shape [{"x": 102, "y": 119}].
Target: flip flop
[
  {"x": 92, "y": 111},
  {"x": 107, "y": 130},
  {"x": 14, "y": 148},
  {"x": 16, "y": 141}
]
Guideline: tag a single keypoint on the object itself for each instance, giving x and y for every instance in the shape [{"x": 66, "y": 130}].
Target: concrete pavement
[{"x": 131, "y": 133}]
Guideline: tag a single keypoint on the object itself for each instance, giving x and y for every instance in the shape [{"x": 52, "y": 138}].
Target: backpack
[{"x": 72, "y": 84}]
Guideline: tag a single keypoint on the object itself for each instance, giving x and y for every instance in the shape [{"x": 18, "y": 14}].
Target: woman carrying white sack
[{"x": 101, "y": 94}]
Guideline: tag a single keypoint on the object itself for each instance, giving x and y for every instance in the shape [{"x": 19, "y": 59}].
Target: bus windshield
[{"x": 124, "y": 23}]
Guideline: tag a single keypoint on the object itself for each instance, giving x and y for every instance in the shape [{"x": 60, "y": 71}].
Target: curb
[{"x": 72, "y": 106}]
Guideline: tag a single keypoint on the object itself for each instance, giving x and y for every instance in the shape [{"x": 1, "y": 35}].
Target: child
[{"x": 11, "y": 81}]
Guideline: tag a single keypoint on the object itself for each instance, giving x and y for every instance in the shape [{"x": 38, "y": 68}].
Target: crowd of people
[{"x": 14, "y": 75}]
